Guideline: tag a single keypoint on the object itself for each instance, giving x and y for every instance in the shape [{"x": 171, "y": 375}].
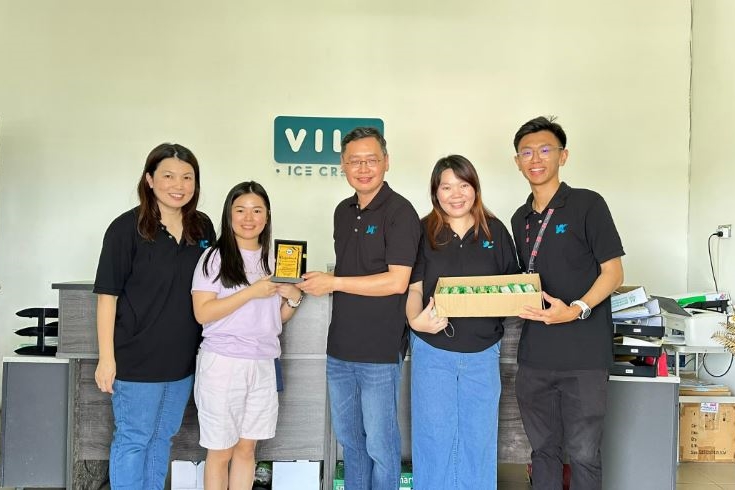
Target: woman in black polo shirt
[
  {"x": 455, "y": 372},
  {"x": 147, "y": 333}
]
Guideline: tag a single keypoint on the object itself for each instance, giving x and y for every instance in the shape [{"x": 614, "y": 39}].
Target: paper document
[{"x": 641, "y": 342}]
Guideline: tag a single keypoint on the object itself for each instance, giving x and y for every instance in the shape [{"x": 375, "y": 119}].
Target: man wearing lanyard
[{"x": 568, "y": 237}]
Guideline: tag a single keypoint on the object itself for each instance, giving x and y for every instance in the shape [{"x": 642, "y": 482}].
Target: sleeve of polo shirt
[
  {"x": 417, "y": 273},
  {"x": 209, "y": 234},
  {"x": 402, "y": 237},
  {"x": 202, "y": 282},
  {"x": 508, "y": 254},
  {"x": 602, "y": 234},
  {"x": 116, "y": 258}
]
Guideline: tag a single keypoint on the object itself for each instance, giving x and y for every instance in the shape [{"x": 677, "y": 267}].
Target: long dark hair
[
  {"x": 232, "y": 269},
  {"x": 149, "y": 215},
  {"x": 436, "y": 219}
]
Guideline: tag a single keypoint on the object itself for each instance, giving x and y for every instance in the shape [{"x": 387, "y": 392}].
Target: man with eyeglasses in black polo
[
  {"x": 568, "y": 237},
  {"x": 376, "y": 238}
]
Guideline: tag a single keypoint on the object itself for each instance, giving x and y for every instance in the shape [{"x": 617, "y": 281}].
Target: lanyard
[{"x": 537, "y": 243}]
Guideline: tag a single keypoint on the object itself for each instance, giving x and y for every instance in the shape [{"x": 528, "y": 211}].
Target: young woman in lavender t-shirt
[{"x": 242, "y": 312}]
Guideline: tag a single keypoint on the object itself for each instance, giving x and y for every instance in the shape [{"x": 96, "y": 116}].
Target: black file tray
[
  {"x": 41, "y": 330},
  {"x": 639, "y": 330},
  {"x": 637, "y": 350},
  {"x": 628, "y": 369}
]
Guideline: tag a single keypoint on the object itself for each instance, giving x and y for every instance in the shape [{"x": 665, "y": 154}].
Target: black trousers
[{"x": 563, "y": 411}]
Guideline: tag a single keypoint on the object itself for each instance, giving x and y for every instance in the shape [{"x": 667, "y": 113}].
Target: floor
[{"x": 689, "y": 476}]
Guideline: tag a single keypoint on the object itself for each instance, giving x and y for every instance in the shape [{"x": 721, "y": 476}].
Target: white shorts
[{"x": 235, "y": 398}]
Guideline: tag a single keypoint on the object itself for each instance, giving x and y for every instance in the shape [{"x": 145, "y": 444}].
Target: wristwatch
[
  {"x": 294, "y": 304},
  {"x": 586, "y": 310}
]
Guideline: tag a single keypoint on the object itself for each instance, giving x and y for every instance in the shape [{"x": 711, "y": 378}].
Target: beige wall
[
  {"x": 87, "y": 88},
  {"x": 712, "y": 194}
]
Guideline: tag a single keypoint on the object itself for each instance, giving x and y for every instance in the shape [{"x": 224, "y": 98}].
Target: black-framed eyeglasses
[
  {"x": 370, "y": 162},
  {"x": 544, "y": 152}
]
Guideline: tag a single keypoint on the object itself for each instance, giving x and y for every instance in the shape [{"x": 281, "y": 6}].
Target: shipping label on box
[
  {"x": 474, "y": 304},
  {"x": 707, "y": 432}
]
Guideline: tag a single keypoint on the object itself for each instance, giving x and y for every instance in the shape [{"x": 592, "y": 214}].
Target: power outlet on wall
[{"x": 726, "y": 231}]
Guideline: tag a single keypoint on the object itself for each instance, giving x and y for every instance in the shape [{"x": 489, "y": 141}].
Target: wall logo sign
[{"x": 311, "y": 145}]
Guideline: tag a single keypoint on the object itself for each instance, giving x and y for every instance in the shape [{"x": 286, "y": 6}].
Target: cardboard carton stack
[{"x": 706, "y": 429}]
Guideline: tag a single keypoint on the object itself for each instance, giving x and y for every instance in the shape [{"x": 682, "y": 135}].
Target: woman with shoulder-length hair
[
  {"x": 242, "y": 312},
  {"x": 147, "y": 333},
  {"x": 455, "y": 371}
]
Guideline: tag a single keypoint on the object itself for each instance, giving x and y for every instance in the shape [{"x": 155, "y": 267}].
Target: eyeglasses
[
  {"x": 370, "y": 162},
  {"x": 526, "y": 154}
]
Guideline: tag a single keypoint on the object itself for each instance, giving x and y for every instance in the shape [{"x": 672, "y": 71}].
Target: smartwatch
[{"x": 586, "y": 310}]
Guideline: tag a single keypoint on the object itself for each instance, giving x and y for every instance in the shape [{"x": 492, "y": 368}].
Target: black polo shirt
[
  {"x": 366, "y": 242},
  {"x": 465, "y": 256},
  {"x": 580, "y": 236},
  {"x": 156, "y": 335}
]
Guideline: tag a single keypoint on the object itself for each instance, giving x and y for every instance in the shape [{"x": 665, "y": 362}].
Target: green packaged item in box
[
  {"x": 454, "y": 290},
  {"x": 505, "y": 289},
  {"x": 528, "y": 288},
  {"x": 444, "y": 290},
  {"x": 493, "y": 289},
  {"x": 406, "y": 482}
]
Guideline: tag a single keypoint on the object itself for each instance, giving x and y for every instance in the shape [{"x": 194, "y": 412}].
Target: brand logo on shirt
[
  {"x": 561, "y": 228},
  {"x": 488, "y": 244},
  {"x": 371, "y": 229}
]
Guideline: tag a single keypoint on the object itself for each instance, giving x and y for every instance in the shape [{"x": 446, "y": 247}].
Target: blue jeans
[
  {"x": 454, "y": 417},
  {"x": 147, "y": 416},
  {"x": 364, "y": 407}
]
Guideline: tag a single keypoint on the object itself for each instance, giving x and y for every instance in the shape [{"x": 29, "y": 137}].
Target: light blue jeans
[
  {"x": 147, "y": 416},
  {"x": 364, "y": 407},
  {"x": 454, "y": 417}
]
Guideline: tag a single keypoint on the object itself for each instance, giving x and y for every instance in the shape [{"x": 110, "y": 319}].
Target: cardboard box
[
  {"x": 187, "y": 475},
  {"x": 406, "y": 482},
  {"x": 486, "y": 304},
  {"x": 707, "y": 432},
  {"x": 297, "y": 475},
  {"x": 627, "y": 297}
]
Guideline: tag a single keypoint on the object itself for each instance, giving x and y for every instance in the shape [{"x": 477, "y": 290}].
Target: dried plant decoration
[{"x": 726, "y": 337}]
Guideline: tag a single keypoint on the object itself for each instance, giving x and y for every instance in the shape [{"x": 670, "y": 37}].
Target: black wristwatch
[{"x": 586, "y": 310}]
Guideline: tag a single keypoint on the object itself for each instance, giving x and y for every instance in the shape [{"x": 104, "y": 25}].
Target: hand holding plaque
[{"x": 290, "y": 260}]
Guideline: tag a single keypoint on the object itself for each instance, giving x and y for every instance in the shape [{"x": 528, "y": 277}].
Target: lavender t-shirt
[{"x": 251, "y": 331}]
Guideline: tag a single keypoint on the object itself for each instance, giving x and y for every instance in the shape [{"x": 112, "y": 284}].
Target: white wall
[
  {"x": 712, "y": 200},
  {"x": 87, "y": 88}
]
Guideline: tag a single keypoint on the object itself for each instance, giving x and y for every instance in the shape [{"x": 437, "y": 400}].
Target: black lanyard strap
[{"x": 539, "y": 237}]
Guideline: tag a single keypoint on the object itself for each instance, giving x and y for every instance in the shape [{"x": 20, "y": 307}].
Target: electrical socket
[{"x": 726, "y": 230}]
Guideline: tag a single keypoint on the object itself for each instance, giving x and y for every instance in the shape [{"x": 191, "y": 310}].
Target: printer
[{"x": 698, "y": 325}]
